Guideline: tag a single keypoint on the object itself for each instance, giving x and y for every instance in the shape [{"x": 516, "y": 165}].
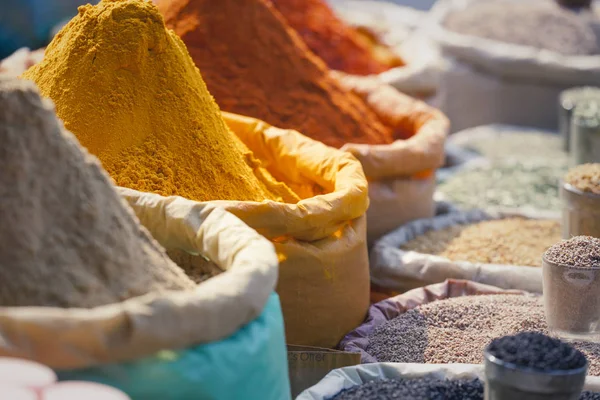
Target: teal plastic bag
[{"x": 250, "y": 365}]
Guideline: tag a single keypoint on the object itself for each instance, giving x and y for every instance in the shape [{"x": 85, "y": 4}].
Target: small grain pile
[
  {"x": 341, "y": 46},
  {"x": 589, "y": 396},
  {"x": 128, "y": 89},
  {"x": 534, "y": 350},
  {"x": 508, "y": 184},
  {"x": 541, "y": 24},
  {"x": 580, "y": 251},
  {"x": 68, "y": 239},
  {"x": 585, "y": 177},
  {"x": 457, "y": 330},
  {"x": 256, "y": 65},
  {"x": 425, "y": 388},
  {"x": 516, "y": 241}
]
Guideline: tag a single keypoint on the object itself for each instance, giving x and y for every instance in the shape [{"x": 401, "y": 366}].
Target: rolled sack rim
[
  {"x": 511, "y": 60},
  {"x": 413, "y": 158},
  {"x": 68, "y": 338},
  {"x": 300, "y": 160}
]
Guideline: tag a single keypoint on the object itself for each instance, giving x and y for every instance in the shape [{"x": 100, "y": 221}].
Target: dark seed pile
[
  {"x": 537, "y": 351},
  {"x": 580, "y": 251},
  {"x": 457, "y": 330},
  {"x": 589, "y": 396},
  {"x": 426, "y": 388}
]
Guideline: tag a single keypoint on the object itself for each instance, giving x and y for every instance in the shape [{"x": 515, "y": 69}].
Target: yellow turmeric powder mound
[{"x": 128, "y": 89}]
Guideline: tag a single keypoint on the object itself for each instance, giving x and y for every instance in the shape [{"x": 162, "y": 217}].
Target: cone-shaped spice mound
[
  {"x": 340, "y": 45},
  {"x": 67, "y": 238},
  {"x": 255, "y": 64},
  {"x": 128, "y": 89}
]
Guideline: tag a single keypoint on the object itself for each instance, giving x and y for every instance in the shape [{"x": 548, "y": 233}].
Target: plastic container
[
  {"x": 506, "y": 381},
  {"x": 25, "y": 373},
  {"x": 580, "y": 212},
  {"x": 567, "y": 101},
  {"x": 572, "y": 300},
  {"x": 75, "y": 390}
]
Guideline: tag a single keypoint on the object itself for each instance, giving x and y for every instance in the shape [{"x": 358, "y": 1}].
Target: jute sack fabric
[
  {"x": 400, "y": 270},
  {"x": 402, "y": 174},
  {"x": 486, "y": 81},
  {"x": 348, "y": 377},
  {"x": 321, "y": 241},
  {"x": 141, "y": 326}
]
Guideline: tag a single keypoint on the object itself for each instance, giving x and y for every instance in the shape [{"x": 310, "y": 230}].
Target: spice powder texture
[
  {"x": 255, "y": 64},
  {"x": 128, "y": 89},
  {"x": 341, "y": 46}
]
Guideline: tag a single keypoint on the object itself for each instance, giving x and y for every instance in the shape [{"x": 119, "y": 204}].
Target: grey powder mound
[
  {"x": 458, "y": 330},
  {"x": 67, "y": 238}
]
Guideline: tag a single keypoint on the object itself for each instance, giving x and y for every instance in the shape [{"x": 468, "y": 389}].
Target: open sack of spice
[
  {"x": 368, "y": 38},
  {"x": 166, "y": 136},
  {"x": 505, "y": 63},
  {"x": 497, "y": 142},
  {"x": 499, "y": 249},
  {"x": 449, "y": 323},
  {"x": 390, "y": 380},
  {"x": 86, "y": 290},
  {"x": 398, "y": 140}
]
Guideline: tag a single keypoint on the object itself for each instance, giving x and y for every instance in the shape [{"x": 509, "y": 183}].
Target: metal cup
[
  {"x": 580, "y": 212},
  {"x": 585, "y": 132},
  {"x": 571, "y": 301},
  {"x": 567, "y": 101},
  {"x": 506, "y": 381}
]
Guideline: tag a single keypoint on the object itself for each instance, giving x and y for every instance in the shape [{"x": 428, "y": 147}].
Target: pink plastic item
[
  {"x": 16, "y": 393},
  {"x": 25, "y": 373},
  {"x": 75, "y": 390}
]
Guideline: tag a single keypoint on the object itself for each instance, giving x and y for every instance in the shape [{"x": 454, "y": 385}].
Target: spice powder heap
[
  {"x": 585, "y": 177},
  {"x": 68, "y": 239},
  {"x": 127, "y": 88},
  {"x": 256, "y": 65},
  {"x": 341, "y": 46},
  {"x": 514, "y": 241}
]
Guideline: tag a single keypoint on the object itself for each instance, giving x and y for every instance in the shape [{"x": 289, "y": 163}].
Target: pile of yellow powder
[{"x": 128, "y": 89}]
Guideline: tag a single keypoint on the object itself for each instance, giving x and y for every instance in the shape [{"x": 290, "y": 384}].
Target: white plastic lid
[
  {"x": 16, "y": 393},
  {"x": 25, "y": 373},
  {"x": 75, "y": 390}
]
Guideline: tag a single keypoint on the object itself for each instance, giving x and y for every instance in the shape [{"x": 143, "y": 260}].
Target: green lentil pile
[
  {"x": 585, "y": 177},
  {"x": 507, "y": 184},
  {"x": 515, "y": 241}
]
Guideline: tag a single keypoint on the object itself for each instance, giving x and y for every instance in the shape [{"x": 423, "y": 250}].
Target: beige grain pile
[
  {"x": 67, "y": 238},
  {"x": 585, "y": 177},
  {"x": 515, "y": 241}
]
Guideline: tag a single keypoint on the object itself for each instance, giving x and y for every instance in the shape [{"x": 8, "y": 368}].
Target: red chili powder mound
[
  {"x": 341, "y": 46},
  {"x": 255, "y": 64}
]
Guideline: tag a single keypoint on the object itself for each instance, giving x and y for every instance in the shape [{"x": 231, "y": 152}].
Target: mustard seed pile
[
  {"x": 515, "y": 241},
  {"x": 457, "y": 330},
  {"x": 539, "y": 24},
  {"x": 580, "y": 251},
  {"x": 585, "y": 177},
  {"x": 68, "y": 239}
]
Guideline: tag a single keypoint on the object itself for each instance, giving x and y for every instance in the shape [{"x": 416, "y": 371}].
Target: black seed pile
[
  {"x": 426, "y": 388},
  {"x": 537, "y": 351},
  {"x": 580, "y": 251},
  {"x": 589, "y": 396}
]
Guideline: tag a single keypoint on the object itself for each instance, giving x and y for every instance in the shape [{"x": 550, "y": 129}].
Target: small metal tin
[
  {"x": 571, "y": 301},
  {"x": 585, "y": 132},
  {"x": 506, "y": 381},
  {"x": 580, "y": 212},
  {"x": 567, "y": 101}
]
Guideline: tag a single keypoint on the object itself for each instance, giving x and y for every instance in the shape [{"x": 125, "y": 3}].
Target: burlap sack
[
  {"x": 321, "y": 241},
  {"x": 348, "y": 377},
  {"x": 485, "y": 81},
  {"x": 399, "y": 270},
  {"x": 402, "y": 174},
  {"x": 141, "y": 326},
  {"x": 357, "y": 340}
]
